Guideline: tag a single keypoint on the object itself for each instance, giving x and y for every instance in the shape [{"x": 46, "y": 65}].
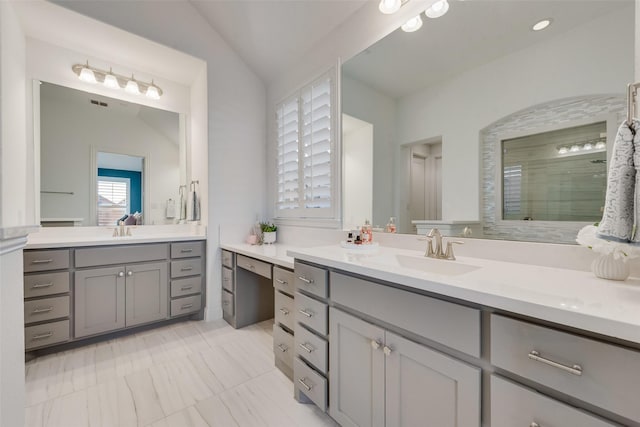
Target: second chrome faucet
[{"x": 437, "y": 252}]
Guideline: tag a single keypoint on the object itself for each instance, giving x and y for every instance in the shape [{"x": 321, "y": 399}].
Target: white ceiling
[
  {"x": 472, "y": 33},
  {"x": 271, "y": 35}
]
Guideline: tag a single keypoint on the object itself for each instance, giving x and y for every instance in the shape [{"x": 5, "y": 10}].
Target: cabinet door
[
  {"x": 147, "y": 288},
  {"x": 356, "y": 371},
  {"x": 428, "y": 388},
  {"x": 99, "y": 300}
]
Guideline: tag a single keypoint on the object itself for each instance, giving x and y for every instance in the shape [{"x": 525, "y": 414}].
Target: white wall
[
  {"x": 357, "y": 154},
  {"x": 459, "y": 108},
  {"x": 13, "y": 213},
  {"x": 71, "y": 134}
]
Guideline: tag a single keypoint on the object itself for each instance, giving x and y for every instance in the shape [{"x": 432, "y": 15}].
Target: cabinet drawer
[
  {"x": 45, "y": 260},
  {"x": 310, "y": 383},
  {"x": 284, "y": 280},
  {"x": 124, "y": 254},
  {"x": 514, "y": 405},
  {"x": 46, "y": 309},
  {"x": 227, "y": 305},
  {"x": 227, "y": 279},
  {"x": 254, "y": 266},
  {"x": 312, "y": 313},
  {"x": 186, "y": 267},
  {"x": 603, "y": 376},
  {"x": 313, "y": 280},
  {"x": 284, "y": 309},
  {"x": 312, "y": 348},
  {"x": 46, "y": 334},
  {"x": 186, "y": 305},
  {"x": 187, "y": 249},
  {"x": 188, "y": 286},
  {"x": 227, "y": 258},
  {"x": 283, "y": 345},
  {"x": 38, "y": 285},
  {"x": 453, "y": 325}
]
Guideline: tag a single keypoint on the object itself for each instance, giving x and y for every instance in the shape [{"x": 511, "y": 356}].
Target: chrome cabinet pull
[
  {"x": 283, "y": 348},
  {"x": 375, "y": 344},
  {"x": 186, "y": 269},
  {"x": 534, "y": 424},
  {"x": 121, "y": 274},
  {"x": 39, "y": 310},
  {"x": 42, "y": 336},
  {"x": 41, "y": 261},
  {"x": 225, "y": 303},
  {"x": 306, "y": 347},
  {"x": 387, "y": 350},
  {"x": 282, "y": 282},
  {"x": 305, "y": 312},
  {"x": 575, "y": 369},
  {"x": 186, "y": 306},
  {"x": 252, "y": 267},
  {"x": 129, "y": 273},
  {"x": 304, "y": 384},
  {"x": 305, "y": 280},
  {"x": 42, "y": 285},
  {"x": 186, "y": 251},
  {"x": 284, "y": 311},
  {"x": 186, "y": 288},
  {"x": 226, "y": 279}
]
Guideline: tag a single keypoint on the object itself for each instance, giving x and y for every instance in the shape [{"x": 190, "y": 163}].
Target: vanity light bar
[{"x": 90, "y": 74}]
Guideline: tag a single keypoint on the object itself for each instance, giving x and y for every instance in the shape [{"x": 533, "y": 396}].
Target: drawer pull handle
[
  {"x": 186, "y": 269},
  {"x": 306, "y": 313},
  {"x": 575, "y": 369},
  {"x": 186, "y": 288},
  {"x": 186, "y": 306},
  {"x": 42, "y": 336},
  {"x": 39, "y": 310},
  {"x": 41, "y": 261},
  {"x": 305, "y": 280},
  {"x": 42, "y": 285},
  {"x": 534, "y": 424},
  {"x": 186, "y": 251},
  {"x": 225, "y": 303},
  {"x": 283, "y": 348},
  {"x": 304, "y": 384},
  {"x": 282, "y": 282},
  {"x": 226, "y": 279},
  {"x": 375, "y": 344},
  {"x": 284, "y": 311},
  {"x": 307, "y": 347}
]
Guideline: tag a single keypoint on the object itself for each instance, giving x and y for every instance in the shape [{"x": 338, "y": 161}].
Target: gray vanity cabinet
[
  {"x": 99, "y": 300},
  {"x": 379, "y": 378},
  {"x": 146, "y": 293}
]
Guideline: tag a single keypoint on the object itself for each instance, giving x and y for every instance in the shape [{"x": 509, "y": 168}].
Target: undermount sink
[
  {"x": 423, "y": 264},
  {"x": 435, "y": 266}
]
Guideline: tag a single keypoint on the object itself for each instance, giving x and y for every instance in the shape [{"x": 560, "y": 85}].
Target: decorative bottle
[
  {"x": 391, "y": 225},
  {"x": 367, "y": 232}
]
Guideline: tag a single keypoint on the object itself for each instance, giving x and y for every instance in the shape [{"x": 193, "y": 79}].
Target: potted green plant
[{"x": 268, "y": 232}]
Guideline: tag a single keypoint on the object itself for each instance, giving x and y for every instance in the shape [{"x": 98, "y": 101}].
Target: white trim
[
  {"x": 310, "y": 222},
  {"x": 12, "y": 245}
]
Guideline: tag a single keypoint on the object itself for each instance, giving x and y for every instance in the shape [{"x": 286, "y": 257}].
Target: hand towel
[{"x": 619, "y": 217}]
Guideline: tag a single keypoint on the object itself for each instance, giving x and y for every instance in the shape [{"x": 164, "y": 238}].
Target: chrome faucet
[{"x": 437, "y": 252}]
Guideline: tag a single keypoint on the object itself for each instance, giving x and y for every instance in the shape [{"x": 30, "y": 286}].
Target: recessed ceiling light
[
  {"x": 412, "y": 24},
  {"x": 541, "y": 25}
]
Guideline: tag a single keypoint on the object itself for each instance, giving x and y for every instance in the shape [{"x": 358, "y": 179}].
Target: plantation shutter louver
[
  {"x": 288, "y": 141},
  {"x": 113, "y": 200},
  {"x": 512, "y": 190}
]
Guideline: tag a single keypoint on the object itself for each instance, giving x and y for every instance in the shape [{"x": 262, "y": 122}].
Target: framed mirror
[
  {"x": 468, "y": 81},
  {"x": 102, "y": 158}
]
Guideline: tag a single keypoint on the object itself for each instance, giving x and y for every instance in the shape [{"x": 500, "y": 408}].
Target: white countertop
[
  {"x": 64, "y": 237},
  {"x": 574, "y": 298},
  {"x": 274, "y": 254}
]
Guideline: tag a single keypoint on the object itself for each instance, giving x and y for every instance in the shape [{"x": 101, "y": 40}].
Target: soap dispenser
[
  {"x": 367, "y": 232},
  {"x": 391, "y": 225}
]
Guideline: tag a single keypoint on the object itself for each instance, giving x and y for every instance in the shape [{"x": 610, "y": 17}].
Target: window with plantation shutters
[
  {"x": 306, "y": 161},
  {"x": 113, "y": 199}
]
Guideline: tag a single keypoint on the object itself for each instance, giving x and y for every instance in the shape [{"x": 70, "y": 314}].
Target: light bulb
[
  {"x": 389, "y": 6},
  {"x": 152, "y": 91},
  {"x": 412, "y": 24},
  {"x": 87, "y": 75},
  {"x": 541, "y": 25},
  {"x": 110, "y": 80},
  {"x": 132, "y": 86},
  {"x": 600, "y": 145},
  {"x": 563, "y": 150},
  {"x": 574, "y": 148},
  {"x": 588, "y": 146},
  {"x": 437, "y": 9}
]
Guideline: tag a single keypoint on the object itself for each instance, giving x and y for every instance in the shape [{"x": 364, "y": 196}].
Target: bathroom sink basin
[{"x": 435, "y": 266}]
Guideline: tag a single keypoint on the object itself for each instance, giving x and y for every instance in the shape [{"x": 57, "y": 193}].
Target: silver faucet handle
[
  {"x": 429, "y": 252},
  {"x": 449, "y": 253},
  {"x": 434, "y": 232}
]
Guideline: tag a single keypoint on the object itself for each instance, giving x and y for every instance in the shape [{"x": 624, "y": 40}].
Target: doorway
[{"x": 425, "y": 180}]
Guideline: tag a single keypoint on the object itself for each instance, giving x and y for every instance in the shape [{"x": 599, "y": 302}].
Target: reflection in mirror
[
  {"x": 88, "y": 141},
  {"x": 473, "y": 78},
  {"x": 555, "y": 176}
]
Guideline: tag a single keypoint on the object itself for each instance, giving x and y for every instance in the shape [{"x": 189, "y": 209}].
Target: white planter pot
[
  {"x": 269, "y": 237},
  {"x": 607, "y": 267}
]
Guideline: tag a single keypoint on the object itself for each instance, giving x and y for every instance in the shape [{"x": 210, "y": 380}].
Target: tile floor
[{"x": 182, "y": 375}]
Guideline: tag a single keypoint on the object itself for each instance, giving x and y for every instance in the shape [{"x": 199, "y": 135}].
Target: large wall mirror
[
  {"x": 103, "y": 158},
  {"x": 445, "y": 111}
]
